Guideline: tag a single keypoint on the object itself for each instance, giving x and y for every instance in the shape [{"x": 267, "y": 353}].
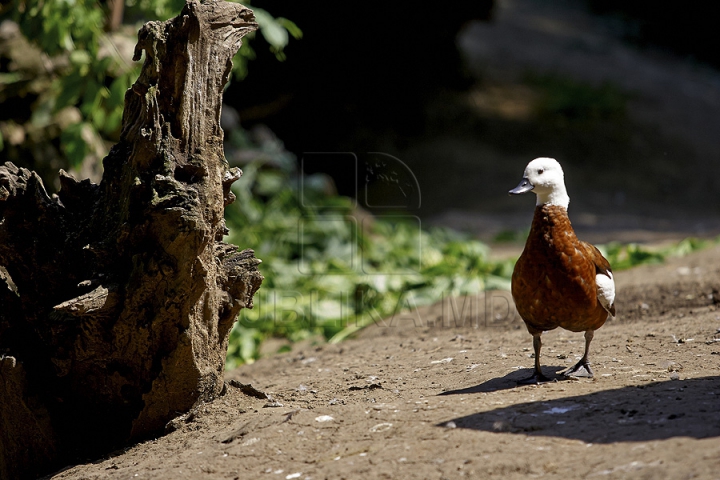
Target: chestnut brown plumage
[{"x": 559, "y": 281}]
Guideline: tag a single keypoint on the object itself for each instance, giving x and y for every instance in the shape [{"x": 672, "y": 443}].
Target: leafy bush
[
  {"x": 331, "y": 268},
  {"x": 87, "y": 75},
  {"x": 624, "y": 256}
]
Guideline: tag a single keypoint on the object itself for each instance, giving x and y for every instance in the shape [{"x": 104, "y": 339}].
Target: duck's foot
[
  {"x": 580, "y": 370},
  {"x": 536, "y": 379}
]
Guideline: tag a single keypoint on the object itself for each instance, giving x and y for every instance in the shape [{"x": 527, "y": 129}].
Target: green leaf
[
  {"x": 99, "y": 119},
  {"x": 117, "y": 91},
  {"x": 11, "y": 77},
  {"x": 112, "y": 121},
  {"x": 70, "y": 88},
  {"x": 273, "y": 32},
  {"x": 248, "y": 344},
  {"x": 290, "y": 27},
  {"x": 80, "y": 57},
  {"x": 92, "y": 98},
  {"x": 73, "y": 144}
]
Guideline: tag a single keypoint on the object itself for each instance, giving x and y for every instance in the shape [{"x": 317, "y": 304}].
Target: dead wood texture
[{"x": 116, "y": 300}]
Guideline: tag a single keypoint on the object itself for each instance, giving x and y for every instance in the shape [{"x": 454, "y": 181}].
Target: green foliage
[
  {"x": 563, "y": 99},
  {"x": 73, "y": 143},
  {"x": 330, "y": 268},
  {"x": 62, "y": 26},
  {"x": 624, "y": 256},
  {"x": 511, "y": 236},
  {"x": 275, "y": 31},
  {"x": 72, "y": 32},
  {"x": 689, "y": 245},
  {"x": 91, "y": 74}
]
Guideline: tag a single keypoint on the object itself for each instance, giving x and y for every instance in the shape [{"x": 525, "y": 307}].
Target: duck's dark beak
[{"x": 524, "y": 187}]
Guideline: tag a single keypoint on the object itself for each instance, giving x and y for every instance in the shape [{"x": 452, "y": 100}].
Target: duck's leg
[
  {"x": 537, "y": 376},
  {"x": 582, "y": 368}
]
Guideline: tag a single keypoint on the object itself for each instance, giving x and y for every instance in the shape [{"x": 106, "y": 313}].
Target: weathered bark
[{"x": 117, "y": 299}]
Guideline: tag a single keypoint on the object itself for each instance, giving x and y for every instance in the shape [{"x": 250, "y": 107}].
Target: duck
[{"x": 559, "y": 280}]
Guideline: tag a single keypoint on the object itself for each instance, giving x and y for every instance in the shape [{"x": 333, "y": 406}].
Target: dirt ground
[
  {"x": 440, "y": 401},
  {"x": 432, "y": 393}
]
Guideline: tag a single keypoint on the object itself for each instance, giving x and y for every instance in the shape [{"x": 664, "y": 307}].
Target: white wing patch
[{"x": 605, "y": 290}]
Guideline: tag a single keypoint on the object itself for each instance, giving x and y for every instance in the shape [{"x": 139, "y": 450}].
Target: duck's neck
[
  {"x": 550, "y": 222},
  {"x": 557, "y": 196}
]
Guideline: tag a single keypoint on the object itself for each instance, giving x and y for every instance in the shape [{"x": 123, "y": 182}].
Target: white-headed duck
[{"x": 559, "y": 281}]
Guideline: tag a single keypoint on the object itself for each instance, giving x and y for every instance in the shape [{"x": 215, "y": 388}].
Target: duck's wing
[{"x": 603, "y": 277}]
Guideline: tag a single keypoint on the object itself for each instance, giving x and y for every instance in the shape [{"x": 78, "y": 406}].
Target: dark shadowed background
[{"x": 625, "y": 96}]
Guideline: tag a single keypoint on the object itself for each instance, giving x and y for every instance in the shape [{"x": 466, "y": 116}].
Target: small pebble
[
  {"x": 444, "y": 360},
  {"x": 381, "y": 427}
]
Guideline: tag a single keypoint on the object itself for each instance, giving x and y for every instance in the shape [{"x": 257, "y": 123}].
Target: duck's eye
[{"x": 540, "y": 171}]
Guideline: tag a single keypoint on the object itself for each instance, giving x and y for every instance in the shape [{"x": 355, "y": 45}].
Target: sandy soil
[
  {"x": 433, "y": 394},
  {"x": 440, "y": 401}
]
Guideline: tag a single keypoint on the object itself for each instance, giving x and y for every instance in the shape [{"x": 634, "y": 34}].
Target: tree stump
[{"x": 117, "y": 299}]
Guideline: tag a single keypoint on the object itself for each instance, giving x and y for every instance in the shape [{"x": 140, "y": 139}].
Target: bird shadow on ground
[
  {"x": 651, "y": 411},
  {"x": 509, "y": 381}
]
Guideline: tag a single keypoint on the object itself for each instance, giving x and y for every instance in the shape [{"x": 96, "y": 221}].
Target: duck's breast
[{"x": 553, "y": 283}]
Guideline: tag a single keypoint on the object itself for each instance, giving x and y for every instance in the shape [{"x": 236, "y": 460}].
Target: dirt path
[
  {"x": 441, "y": 402},
  {"x": 424, "y": 398}
]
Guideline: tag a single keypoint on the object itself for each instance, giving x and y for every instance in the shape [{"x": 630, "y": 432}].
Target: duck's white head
[{"x": 545, "y": 177}]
